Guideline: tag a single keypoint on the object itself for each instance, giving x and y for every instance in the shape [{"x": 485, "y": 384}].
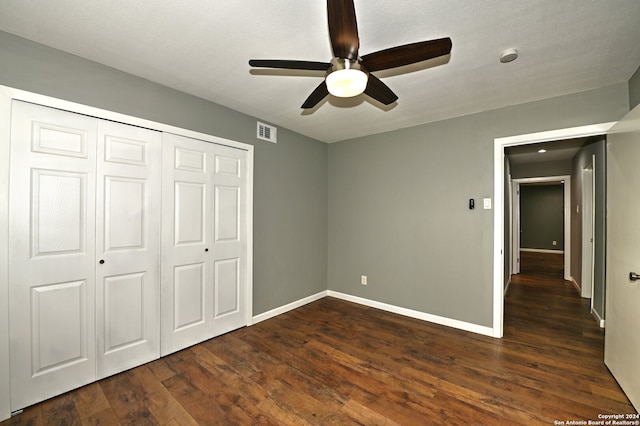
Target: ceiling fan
[{"x": 348, "y": 74}]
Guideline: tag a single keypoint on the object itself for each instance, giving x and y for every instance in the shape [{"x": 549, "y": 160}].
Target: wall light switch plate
[{"x": 487, "y": 203}]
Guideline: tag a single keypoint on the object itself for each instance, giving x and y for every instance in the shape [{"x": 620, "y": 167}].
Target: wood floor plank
[
  {"x": 161, "y": 370},
  {"x": 61, "y": 410},
  {"x": 90, "y": 401},
  {"x": 364, "y": 415},
  {"x": 335, "y": 362},
  {"x": 31, "y": 416},
  {"x": 196, "y": 403},
  {"x": 128, "y": 398},
  {"x": 162, "y": 405}
]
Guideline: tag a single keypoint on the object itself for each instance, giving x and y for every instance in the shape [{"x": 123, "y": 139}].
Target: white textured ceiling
[{"x": 202, "y": 47}]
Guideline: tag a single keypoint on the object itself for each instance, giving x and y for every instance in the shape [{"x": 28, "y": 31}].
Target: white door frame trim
[
  {"x": 7, "y": 95},
  {"x": 588, "y": 224},
  {"x": 498, "y": 196},
  {"x": 514, "y": 224}
]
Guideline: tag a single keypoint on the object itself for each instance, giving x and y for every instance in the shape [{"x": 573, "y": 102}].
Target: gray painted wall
[
  {"x": 634, "y": 89},
  {"x": 597, "y": 147},
  {"x": 290, "y": 178},
  {"x": 542, "y": 216},
  {"x": 398, "y": 204}
]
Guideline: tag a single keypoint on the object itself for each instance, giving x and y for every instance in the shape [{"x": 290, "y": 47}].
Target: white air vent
[{"x": 267, "y": 133}]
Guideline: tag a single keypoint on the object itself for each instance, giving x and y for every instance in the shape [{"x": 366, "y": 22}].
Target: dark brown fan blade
[
  {"x": 343, "y": 28},
  {"x": 406, "y": 54},
  {"x": 316, "y": 96},
  {"x": 380, "y": 91},
  {"x": 291, "y": 65}
]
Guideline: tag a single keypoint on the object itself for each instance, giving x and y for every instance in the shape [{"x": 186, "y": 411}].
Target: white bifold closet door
[
  {"x": 127, "y": 246},
  {"x": 204, "y": 241},
  {"x": 84, "y": 250}
]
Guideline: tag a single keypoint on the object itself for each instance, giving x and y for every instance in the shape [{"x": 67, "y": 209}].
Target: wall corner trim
[
  {"x": 597, "y": 317},
  {"x": 575, "y": 284},
  {"x": 506, "y": 288}
]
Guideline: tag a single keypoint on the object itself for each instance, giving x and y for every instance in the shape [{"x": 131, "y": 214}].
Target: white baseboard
[
  {"x": 596, "y": 315},
  {"x": 289, "y": 307},
  {"x": 506, "y": 288},
  {"x": 461, "y": 325},
  {"x": 542, "y": 250},
  {"x": 576, "y": 285}
]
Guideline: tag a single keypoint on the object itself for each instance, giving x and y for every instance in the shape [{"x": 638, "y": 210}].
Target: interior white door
[
  {"x": 127, "y": 246},
  {"x": 622, "y": 339},
  {"x": 204, "y": 241},
  {"x": 187, "y": 300},
  {"x": 51, "y": 252}
]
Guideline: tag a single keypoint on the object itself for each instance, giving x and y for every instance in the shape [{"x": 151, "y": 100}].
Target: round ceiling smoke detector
[{"x": 508, "y": 55}]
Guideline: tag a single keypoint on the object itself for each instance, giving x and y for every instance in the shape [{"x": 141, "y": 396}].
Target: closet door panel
[
  {"x": 230, "y": 239},
  {"x": 189, "y": 282},
  {"x": 51, "y": 252},
  {"x": 128, "y": 246},
  {"x": 187, "y": 292}
]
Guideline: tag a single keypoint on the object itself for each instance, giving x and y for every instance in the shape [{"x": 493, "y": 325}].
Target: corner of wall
[
  {"x": 575, "y": 284},
  {"x": 634, "y": 90}
]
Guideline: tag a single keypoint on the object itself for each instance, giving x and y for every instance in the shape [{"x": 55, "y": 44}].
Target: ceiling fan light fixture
[{"x": 346, "y": 79}]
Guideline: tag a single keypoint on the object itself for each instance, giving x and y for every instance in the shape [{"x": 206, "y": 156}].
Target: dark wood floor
[
  {"x": 334, "y": 362},
  {"x": 550, "y": 265}
]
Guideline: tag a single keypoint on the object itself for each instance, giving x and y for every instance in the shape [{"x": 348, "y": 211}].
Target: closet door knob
[
  {"x": 102, "y": 261},
  {"x": 206, "y": 249}
]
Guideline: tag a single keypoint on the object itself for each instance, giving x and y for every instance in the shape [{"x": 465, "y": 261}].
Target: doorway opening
[
  {"x": 533, "y": 241},
  {"x": 500, "y": 182}
]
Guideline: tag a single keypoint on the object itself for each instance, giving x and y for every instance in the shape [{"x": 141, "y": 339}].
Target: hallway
[{"x": 545, "y": 313}]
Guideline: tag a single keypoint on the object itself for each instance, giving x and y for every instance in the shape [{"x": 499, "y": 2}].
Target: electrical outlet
[
  {"x": 363, "y": 279},
  {"x": 554, "y": 242}
]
